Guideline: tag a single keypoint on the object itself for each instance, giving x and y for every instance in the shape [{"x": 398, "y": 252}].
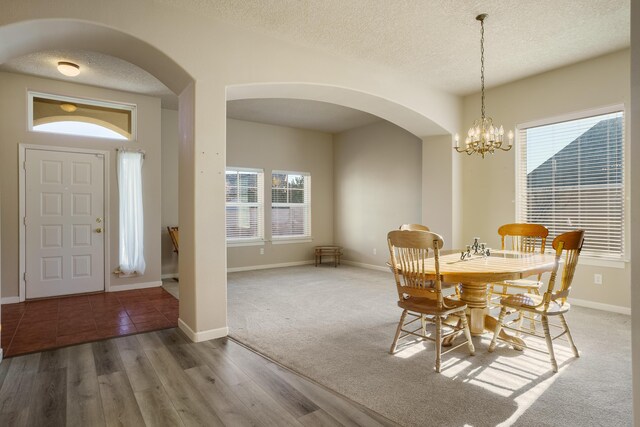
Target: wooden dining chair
[
  {"x": 553, "y": 303},
  {"x": 522, "y": 238},
  {"x": 174, "y": 233},
  {"x": 419, "y": 227},
  {"x": 419, "y": 296},
  {"x": 414, "y": 227}
]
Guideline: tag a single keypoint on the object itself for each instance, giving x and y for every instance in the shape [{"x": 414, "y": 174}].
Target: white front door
[{"x": 64, "y": 223}]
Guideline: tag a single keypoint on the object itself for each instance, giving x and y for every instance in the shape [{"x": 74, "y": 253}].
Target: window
[
  {"x": 74, "y": 116},
  {"x": 245, "y": 207},
  {"x": 290, "y": 205},
  {"x": 571, "y": 175},
  {"x": 131, "y": 232}
]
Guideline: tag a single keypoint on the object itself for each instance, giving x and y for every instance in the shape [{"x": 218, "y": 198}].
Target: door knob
[
  {"x": 98, "y": 220},
  {"x": 99, "y": 230}
]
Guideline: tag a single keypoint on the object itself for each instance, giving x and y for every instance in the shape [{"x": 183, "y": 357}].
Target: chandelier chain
[{"x": 482, "y": 63}]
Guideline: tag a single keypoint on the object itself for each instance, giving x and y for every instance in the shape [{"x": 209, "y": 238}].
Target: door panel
[{"x": 64, "y": 206}]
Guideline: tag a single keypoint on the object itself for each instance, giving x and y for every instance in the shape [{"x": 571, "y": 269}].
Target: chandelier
[{"x": 483, "y": 137}]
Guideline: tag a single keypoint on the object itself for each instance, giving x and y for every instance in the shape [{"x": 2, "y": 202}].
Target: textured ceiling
[
  {"x": 314, "y": 115},
  {"x": 438, "y": 40},
  {"x": 433, "y": 40},
  {"x": 96, "y": 69}
]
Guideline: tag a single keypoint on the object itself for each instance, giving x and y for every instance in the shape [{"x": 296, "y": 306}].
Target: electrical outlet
[
  {"x": 375, "y": 251},
  {"x": 261, "y": 251},
  {"x": 597, "y": 279}
]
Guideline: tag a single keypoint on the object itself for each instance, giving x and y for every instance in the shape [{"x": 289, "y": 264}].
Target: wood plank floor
[{"x": 162, "y": 379}]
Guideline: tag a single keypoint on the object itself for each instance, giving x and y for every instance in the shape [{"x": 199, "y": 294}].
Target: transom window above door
[{"x": 84, "y": 117}]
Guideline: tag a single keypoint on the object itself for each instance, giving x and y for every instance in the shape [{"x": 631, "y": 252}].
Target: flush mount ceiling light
[
  {"x": 68, "y": 107},
  {"x": 483, "y": 137},
  {"x": 68, "y": 68}
]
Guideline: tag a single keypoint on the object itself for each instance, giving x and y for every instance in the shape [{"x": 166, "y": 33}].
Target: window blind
[
  {"x": 571, "y": 176},
  {"x": 290, "y": 204},
  {"x": 244, "y": 204}
]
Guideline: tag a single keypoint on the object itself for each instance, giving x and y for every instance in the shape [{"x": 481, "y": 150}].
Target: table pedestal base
[{"x": 480, "y": 323}]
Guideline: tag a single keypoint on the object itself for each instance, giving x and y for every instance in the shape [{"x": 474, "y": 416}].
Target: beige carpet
[{"x": 335, "y": 325}]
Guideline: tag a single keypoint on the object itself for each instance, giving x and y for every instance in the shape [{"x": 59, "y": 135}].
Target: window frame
[
  {"x": 307, "y": 237},
  {"x": 587, "y": 258},
  {"x": 133, "y": 108},
  {"x": 248, "y": 241}
]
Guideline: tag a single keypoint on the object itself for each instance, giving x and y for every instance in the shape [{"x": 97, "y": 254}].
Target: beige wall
[
  {"x": 220, "y": 57},
  {"x": 634, "y": 158},
  {"x": 169, "y": 217},
  {"x": 361, "y": 160},
  {"x": 13, "y": 131},
  {"x": 268, "y": 147},
  {"x": 377, "y": 188},
  {"x": 489, "y": 185},
  {"x": 438, "y": 195}
]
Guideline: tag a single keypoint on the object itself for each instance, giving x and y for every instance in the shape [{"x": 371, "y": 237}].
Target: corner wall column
[
  {"x": 438, "y": 185},
  {"x": 203, "y": 254}
]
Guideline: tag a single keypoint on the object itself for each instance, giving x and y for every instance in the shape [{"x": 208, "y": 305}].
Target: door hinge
[
  {"x": 24, "y": 220},
  {"x": 24, "y": 165},
  {"x": 24, "y": 276}
]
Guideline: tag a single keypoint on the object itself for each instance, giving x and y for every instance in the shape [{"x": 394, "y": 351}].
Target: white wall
[
  {"x": 13, "y": 131},
  {"x": 377, "y": 187},
  {"x": 169, "y": 217},
  {"x": 488, "y": 184},
  {"x": 268, "y": 147}
]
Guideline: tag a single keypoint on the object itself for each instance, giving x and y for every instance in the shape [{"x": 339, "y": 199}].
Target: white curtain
[{"x": 131, "y": 234}]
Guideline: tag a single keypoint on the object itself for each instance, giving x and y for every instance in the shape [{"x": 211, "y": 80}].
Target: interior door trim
[{"x": 22, "y": 156}]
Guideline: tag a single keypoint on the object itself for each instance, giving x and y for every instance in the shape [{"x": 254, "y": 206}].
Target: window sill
[
  {"x": 240, "y": 243},
  {"x": 290, "y": 240},
  {"x": 602, "y": 262}
]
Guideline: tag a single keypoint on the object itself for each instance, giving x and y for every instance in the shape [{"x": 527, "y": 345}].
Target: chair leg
[
  {"x": 519, "y": 322},
  {"x": 503, "y": 313},
  {"x": 532, "y": 319},
  {"x": 438, "y": 320},
  {"x": 423, "y": 321},
  {"x": 566, "y": 328},
  {"x": 395, "y": 339},
  {"x": 467, "y": 334},
  {"x": 547, "y": 336}
]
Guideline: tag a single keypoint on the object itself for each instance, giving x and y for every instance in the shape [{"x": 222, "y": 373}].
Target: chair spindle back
[
  {"x": 524, "y": 237},
  {"x": 571, "y": 244},
  {"x": 409, "y": 251}
]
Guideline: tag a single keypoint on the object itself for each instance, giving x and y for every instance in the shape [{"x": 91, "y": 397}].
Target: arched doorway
[{"x": 42, "y": 35}]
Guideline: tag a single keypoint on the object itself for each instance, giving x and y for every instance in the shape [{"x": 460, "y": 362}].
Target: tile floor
[{"x": 38, "y": 325}]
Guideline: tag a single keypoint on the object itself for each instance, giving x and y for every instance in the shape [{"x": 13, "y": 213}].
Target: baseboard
[
  {"x": 9, "y": 300},
  {"x": 203, "y": 335},
  {"x": 169, "y": 276},
  {"x": 133, "y": 286},
  {"x": 600, "y": 306},
  {"x": 267, "y": 266},
  {"x": 368, "y": 266}
]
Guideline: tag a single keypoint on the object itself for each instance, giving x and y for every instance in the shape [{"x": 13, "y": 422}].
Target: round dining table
[{"x": 475, "y": 273}]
